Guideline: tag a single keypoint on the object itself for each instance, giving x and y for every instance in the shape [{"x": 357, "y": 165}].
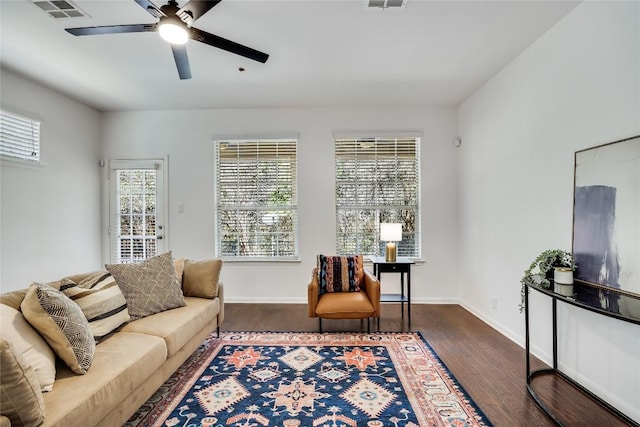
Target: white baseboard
[{"x": 518, "y": 339}]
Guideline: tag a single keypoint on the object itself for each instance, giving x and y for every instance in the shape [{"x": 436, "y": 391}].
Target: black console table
[
  {"x": 595, "y": 299},
  {"x": 401, "y": 265}
]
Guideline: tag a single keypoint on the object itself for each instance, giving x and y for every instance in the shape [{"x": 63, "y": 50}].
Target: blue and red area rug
[{"x": 310, "y": 379}]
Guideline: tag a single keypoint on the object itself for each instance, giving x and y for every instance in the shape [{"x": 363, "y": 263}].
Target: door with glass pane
[{"x": 137, "y": 219}]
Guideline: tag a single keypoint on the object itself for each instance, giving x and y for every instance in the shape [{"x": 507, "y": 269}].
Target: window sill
[{"x": 7, "y": 162}]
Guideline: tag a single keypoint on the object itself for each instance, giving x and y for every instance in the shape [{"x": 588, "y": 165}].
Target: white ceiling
[{"x": 322, "y": 53}]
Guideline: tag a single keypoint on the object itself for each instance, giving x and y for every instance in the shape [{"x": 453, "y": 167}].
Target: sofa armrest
[
  {"x": 312, "y": 293},
  {"x": 372, "y": 288}
]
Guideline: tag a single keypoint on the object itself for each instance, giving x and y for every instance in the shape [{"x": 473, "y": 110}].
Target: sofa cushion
[
  {"x": 101, "y": 301},
  {"x": 177, "y": 326},
  {"x": 200, "y": 278},
  {"x": 62, "y": 324},
  {"x": 122, "y": 362},
  {"x": 20, "y": 396},
  {"x": 149, "y": 287},
  {"x": 339, "y": 273},
  {"x": 35, "y": 350}
]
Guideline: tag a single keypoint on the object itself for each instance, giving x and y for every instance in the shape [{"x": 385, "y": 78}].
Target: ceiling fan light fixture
[{"x": 173, "y": 30}]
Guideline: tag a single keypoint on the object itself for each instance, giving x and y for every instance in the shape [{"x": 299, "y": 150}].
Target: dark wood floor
[{"x": 488, "y": 365}]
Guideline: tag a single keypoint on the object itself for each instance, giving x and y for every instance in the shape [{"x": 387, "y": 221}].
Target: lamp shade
[{"x": 391, "y": 232}]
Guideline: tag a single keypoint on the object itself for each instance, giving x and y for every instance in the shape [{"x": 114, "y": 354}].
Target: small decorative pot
[
  {"x": 563, "y": 281},
  {"x": 563, "y": 275}
]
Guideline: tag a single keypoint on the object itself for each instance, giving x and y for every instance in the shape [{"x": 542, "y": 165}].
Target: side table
[{"x": 402, "y": 265}]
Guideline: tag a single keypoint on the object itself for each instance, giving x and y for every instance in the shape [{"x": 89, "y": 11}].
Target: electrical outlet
[
  {"x": 494, "y": 303},
  {"x": 181, "y": 208}
]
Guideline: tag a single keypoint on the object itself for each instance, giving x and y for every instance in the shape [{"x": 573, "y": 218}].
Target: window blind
[
  {"x": 256, "y": 198},
  {"x": 19, "y": 137},
  {"x": 377, "y": 180}
]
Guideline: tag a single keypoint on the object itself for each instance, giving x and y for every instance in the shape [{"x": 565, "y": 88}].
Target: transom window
[
  {"x": 256, "y": 199},
  {"x": 19, "y": 137},
  {"x": 377, "y": 181}
]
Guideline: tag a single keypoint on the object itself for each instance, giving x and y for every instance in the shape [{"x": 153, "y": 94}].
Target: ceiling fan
[{"x": 174, "y": 26}]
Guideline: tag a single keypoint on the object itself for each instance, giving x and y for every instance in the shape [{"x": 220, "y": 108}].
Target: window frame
[
  {"x": 365, "y": 236},
  {"x": 25, "y": 124},
  {"x": 288, "y": 210}
]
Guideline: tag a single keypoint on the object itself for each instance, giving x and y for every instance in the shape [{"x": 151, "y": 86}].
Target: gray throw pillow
[{"x": 149, "y": 287}]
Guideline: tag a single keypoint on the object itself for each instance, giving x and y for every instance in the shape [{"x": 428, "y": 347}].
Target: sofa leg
[
  {"x": 218, "y": 330},
  {"x": 320, "y": 324},
  {"x": 368, "y": 325}
]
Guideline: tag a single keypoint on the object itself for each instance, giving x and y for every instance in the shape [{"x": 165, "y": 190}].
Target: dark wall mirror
[{"x": 606, "y": 216}]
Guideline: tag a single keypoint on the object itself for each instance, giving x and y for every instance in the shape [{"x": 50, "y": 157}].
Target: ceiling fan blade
[
  {"x": 112, "y": 29},
  {"x": 150, "y": 7},
  {"x": 197, "y": 8},
  {"x": 182, "y": 61},
  {"x": 228, "y": 45}
]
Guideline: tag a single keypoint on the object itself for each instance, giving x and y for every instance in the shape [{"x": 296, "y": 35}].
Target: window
[
  {"x": 19, "y": 137},
  {"x": 256, "y": 199},
  {"x": 377, "y": 180}
]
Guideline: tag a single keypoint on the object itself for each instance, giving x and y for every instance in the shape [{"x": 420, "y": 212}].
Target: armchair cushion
[{"x": 339, "y": 273}]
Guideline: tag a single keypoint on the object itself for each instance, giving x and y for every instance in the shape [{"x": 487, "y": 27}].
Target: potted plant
[{"x": 541, "y": 270}]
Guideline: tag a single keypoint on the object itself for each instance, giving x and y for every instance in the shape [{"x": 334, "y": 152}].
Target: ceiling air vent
[
  {"x": 59, "y": 8},
  {"x": 385, "y": 4}
]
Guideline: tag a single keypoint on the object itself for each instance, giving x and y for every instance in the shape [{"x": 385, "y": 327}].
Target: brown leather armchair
[{"x": 345, "y": 305}]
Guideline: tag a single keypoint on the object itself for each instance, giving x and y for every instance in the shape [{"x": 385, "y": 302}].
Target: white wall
[
  {"x": 576, "y": 87},
  {"x": 50, "y": 214},
  {"x": 186, "y": 137}
]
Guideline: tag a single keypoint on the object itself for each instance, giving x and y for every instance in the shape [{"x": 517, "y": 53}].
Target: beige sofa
[{"x": 129, "y": 365}]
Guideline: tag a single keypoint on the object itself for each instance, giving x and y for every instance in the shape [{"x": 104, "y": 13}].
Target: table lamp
[{"x": 390, "y": 233}]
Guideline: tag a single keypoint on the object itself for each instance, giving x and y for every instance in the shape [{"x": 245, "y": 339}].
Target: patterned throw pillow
[
  {"x": 62, "y": 324},
  {"x": 149, "y": 287},
  {"x": 339, "y": 273},
  {"x": 20, "y": 396},
  {"x": 101, "y": 301}
]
